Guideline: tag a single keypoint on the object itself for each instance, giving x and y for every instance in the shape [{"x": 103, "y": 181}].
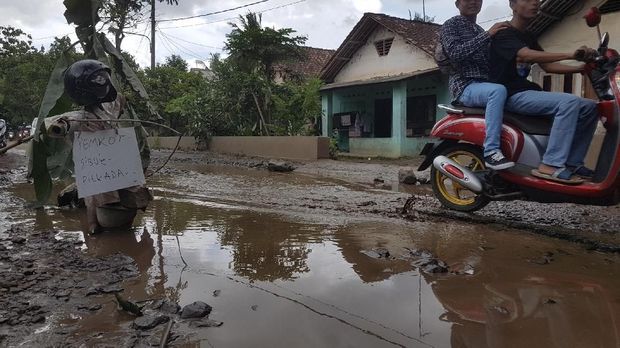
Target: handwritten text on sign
[{"x": 106, "y": 160}]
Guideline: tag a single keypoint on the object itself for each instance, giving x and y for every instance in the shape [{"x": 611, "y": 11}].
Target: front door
[{"x": 383, "y": 118}]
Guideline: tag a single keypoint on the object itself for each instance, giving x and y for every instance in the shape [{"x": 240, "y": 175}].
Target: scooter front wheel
[{"x": 451, "y": 194}]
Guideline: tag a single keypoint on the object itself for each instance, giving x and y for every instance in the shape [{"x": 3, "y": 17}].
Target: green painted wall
[{"x": 362, "y": 99}]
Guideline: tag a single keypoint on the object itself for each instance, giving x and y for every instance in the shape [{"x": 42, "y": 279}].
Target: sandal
[
  {"x": 561, "y": 175},
  {"x": 583, "y": 172}
]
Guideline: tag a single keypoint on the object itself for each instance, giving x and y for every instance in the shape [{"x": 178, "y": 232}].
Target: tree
[
  {"x": 14, "y": 42},
  {"x": 24, "y": 72},
  {"x": 423, "y": 18},
  {"x": 121, "y": 15},
  {"x": 254, "y": 51},
  {"x": 175, "y": 61},
  {"x": 174, "y": 90}
]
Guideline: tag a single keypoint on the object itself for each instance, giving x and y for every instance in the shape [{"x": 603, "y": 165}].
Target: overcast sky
[{"x": 325, "y": 22}]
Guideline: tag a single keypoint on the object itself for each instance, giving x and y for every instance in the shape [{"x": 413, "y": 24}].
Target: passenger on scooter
[
  {"x": 467, "y": 47},
  {"x": 513, "y": 51}
]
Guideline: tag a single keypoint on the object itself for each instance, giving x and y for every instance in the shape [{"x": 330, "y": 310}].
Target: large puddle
[{"x": 282, "y": 279}]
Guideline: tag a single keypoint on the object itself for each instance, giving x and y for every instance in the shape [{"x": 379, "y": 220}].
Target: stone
[
  {"x": 197, "y": 309},
  {"x": 407, "y": 176},
  {"x": 280, "y": 166},
  {"x": 37, "y": 319},
  {"x": 424, "y": 177},
  {"x": 434, "y": 266},
  {"x": 170, "y": 307},
  {"x": 206, "y": 323},
  {"x": 18, "y": 240},
  {"x": 148, "y": 322}
]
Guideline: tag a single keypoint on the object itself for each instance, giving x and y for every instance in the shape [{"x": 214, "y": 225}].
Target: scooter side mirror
[
  {"x": 593, "y": 17},
  {"x": 605, "y": 40}
]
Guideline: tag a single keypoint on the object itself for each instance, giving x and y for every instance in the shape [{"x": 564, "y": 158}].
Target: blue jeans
[
  {"x": 492, "y": 97},
  {"x": 574, "y": 123}
]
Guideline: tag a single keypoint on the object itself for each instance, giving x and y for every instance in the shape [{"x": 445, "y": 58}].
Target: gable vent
[{"x": 383, "y": 46}]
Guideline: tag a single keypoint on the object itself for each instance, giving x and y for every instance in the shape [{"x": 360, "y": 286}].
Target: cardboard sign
[{"x": 106, "y": 160}]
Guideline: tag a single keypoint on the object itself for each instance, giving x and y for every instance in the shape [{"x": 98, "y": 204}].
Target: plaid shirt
[{"x": 468, "y": 47}]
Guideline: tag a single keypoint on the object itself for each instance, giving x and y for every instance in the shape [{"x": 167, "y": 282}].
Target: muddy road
[{"x": 325, "y": 256}]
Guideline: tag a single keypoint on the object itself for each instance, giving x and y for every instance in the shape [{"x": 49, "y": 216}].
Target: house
[
  {"x": 309, "y": 67},
  {"x": 382, "y": 87},
  {"x": 561, "y": 28}
]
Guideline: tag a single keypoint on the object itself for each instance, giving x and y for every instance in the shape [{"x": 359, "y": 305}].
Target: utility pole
[
  {"x": 423, "y": 12},
  {"x": 152, "y": 34}
]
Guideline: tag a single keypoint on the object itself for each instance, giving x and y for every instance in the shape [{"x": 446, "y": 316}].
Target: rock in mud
[
  {"x": 170, "y": 307},
  {"x": 91, "y": 308},
  {"x": 424, "y": 177},
  {"x": 280, "y": 166},
  {"x": 407, "y": 176},
  {"x": 433, "y": 266},
  {"x": 18, "y": 240},
  {"x": 379, "y": 253},
  {"x": 197, "y": 309},
  {"x": 206, "y": 323},
  {"x": 37, "y": 319},
  {"x": 216, "y": 293},
  {"x": 148, "y": 322}
]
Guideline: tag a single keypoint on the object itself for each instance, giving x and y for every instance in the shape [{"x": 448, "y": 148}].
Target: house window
[
  {"x": 421, "y": 112},
  {"x": 383, "y": 46},
  {"x": 547, "y": 83},
  {"x": 568, "y": 83},
  {"x": 610, "y": 6}
]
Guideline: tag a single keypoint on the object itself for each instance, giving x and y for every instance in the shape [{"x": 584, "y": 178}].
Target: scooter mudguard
[{"x": 471, "y": 129}]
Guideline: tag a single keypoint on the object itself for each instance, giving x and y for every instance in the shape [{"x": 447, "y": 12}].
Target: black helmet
[{"x": 88, "y": 82}]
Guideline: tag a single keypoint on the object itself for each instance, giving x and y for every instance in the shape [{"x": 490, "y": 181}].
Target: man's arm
[
  {"x": 528, "y": 55},
  {"x": 559, "y": 68}
]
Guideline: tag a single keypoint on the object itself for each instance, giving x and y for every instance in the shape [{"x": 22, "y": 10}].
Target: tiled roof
[
  {"x": 551, "y": 11},
  {"x": 310, "y": 66},
  {"x": 420, "y": 34}
]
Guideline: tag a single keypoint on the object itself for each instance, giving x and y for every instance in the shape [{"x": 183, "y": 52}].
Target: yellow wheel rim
[{"x": 452, "y": 191}]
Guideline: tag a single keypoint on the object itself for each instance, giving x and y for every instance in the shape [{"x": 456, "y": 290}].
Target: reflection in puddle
[{"x": 290, "y": 280}]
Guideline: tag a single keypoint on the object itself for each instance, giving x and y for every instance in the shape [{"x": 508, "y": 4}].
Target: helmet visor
[{"x": 99, "y": 84}]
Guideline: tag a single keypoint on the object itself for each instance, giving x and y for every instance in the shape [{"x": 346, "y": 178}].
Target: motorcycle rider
[
  {"x": 467, "y": 46},
  {"x": 513, "y": 51}
]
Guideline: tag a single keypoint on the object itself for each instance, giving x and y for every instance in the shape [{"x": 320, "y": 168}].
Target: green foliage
[
  {"x": 297, "y": 108},
  {"x": 24, "y": 73},
  {"x": 254, "y": 48}
]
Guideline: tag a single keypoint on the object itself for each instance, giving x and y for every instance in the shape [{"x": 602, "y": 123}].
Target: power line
[
  {"x": 51, "y": 37},
  {"x": 495, "y": 19},
  {"x": 213, "y": 13},
  {"x": 180, "y": 47},
  {"x": 193, "y": 43},
  {"x": 234, "y": 18}
]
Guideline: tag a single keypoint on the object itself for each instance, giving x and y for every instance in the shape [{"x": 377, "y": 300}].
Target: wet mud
[{"x": 301, "y": 259}]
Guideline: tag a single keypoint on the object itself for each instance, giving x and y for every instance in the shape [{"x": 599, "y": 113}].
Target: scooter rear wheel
[{"x": 451, "y": 194}]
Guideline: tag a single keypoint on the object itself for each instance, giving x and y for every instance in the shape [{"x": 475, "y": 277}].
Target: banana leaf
[
  {"x": 39, "y": 149},
  {"x": 128, "y": 74}
]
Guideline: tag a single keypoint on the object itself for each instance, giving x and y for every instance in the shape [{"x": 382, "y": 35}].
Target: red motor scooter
[{"x": 461, "y": 181}]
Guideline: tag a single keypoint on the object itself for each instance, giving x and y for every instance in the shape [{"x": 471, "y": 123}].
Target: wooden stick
[{"x": 19, "y": 142}]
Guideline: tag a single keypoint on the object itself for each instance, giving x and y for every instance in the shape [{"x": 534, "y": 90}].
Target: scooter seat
[{"x": 536, "y": 125}]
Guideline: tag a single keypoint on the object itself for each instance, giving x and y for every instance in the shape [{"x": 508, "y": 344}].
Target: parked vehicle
[{"x": 458, "y": 174}]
